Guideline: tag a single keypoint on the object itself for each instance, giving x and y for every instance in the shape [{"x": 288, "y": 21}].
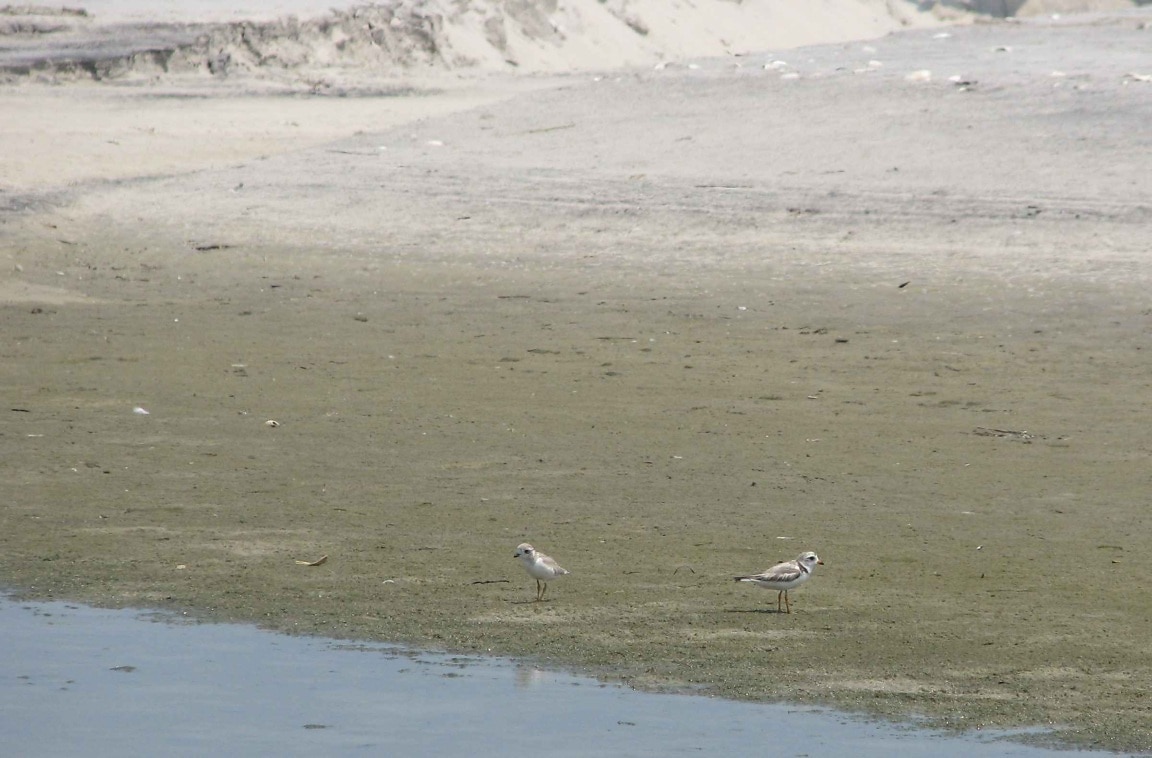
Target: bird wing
[
  {"x": 553, "y": 565},
  {"x": 781, "y": 572}
]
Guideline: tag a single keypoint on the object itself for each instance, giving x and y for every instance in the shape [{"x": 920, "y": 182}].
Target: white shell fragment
[{"x": 271, "y": 422}]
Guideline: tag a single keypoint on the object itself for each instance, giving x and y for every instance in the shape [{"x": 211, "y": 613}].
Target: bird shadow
[{"x": 771, "y": 611}]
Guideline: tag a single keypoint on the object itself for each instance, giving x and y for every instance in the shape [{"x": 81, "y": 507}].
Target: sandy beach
[{"x": 671, "y": 311}]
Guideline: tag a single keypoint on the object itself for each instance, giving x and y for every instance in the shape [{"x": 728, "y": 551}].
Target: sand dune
[
  {"x": 115, "y": 40},
  {"x": 106, "y": 40}
]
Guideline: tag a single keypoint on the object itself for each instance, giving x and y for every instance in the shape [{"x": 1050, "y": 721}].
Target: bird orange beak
[{"x": 820, "y": 562}]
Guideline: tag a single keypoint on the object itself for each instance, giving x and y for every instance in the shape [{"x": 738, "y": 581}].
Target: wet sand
[{"x": 669, "y": 326}]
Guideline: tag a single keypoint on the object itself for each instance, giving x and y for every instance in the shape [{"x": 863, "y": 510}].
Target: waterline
[{"x": 78, "y": 680}]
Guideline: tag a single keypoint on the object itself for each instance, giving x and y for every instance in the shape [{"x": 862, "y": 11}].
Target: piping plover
[
  {"x": 785, "y": 576},
  {"x": 540, "y": 567}
]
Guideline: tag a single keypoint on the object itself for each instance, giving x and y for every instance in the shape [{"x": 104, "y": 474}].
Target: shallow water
[{"x": 99, "y": 682}]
